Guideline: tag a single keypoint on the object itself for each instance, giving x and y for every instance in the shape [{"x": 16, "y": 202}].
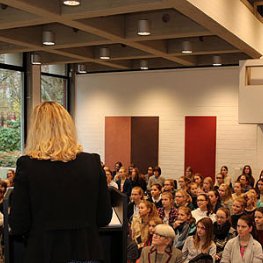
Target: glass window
[
  {"x": 53, "y": 89},
  {"x": 54, "y": 69},
  {"x": 11, "y": 109},
  {"x": 15, "y": 59}
]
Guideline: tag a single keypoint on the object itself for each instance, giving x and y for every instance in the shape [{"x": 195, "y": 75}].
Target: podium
[{"x": 113, "y": 236}]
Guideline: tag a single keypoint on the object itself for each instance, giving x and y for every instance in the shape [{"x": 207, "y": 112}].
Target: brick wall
[{"x": 171, "y": 95}]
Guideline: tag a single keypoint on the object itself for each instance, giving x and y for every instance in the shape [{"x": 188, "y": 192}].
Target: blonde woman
[
  {"x": 60, "y": 219},
  {"x": 226, "y": 196}
]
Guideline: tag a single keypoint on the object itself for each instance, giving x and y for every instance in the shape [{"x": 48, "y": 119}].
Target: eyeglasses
[
  {"x": 219, "y": 177},
  {"x": 158, "y": 235}
]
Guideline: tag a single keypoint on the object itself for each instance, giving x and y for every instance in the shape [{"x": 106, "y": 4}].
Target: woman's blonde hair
[{"x": 52, "y": 134}]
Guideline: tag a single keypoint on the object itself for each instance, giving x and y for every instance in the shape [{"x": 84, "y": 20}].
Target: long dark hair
[{"x": 208, "y": 224}]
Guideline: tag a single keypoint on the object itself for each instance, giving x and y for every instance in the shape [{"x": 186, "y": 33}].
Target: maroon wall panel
[
  {"x": 200, "y": 144},
  {"x": 117, "y": 141},
  {"x": 145, "y": 141}
]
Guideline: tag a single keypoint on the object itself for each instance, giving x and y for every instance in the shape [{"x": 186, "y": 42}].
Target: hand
[{"x": 177, "y": 223}]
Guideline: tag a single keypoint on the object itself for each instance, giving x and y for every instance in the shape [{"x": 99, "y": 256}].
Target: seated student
[
  {"x": 184, "y": 183},
  {"x": 219, "y": 180},
  {"x": 198, "y": 179},
  {"x": 204, "y": 208},
  {"x": 255, "y": 192},
  {"x": 259, "y": 225},
  {"x": 247, "y": 171},
  {"x": 10, "y": 176},
  {"x": 184, "y": 226},
  {"x": 124, "y": 184},
  {"x": 136, "y": 179},
  {"x": 153, "y": 222},
  {"x": 215, "y": 200},
  {"x": 238, "y": 190},
  {"x": 3, "y": 187},
  {"x": 238, "y": 210},
  {"x": 168, "y": 186},
  {"x": 133, "y": 206},
  {"x": 182, "y": 198},
  {"x": 243, "y": 248},
  {"x": 259, "y": 189},
  {"x": 193, "y": 190},
  {"x": 243, "y": 179},
  {"x": 223, "y": 231},
  {"x": 251, "y": 202},
  {"x": 139, "y": 225},
  {"x": 110, "y": 182},
  {"x": 168, "y": 213},
  {"x": 207, "y": 184},
  {"x": 226, "y": 196},
  {"x": 148, "y": 174},
  {"x": 224, "y": 172},
  {"x": 161, "y": 249},
  {"x": 156, "y": 178},
  {"x": 156, "y": 196},
  {"x": 201, "y": 242},
  {"x": 189, "y": 173}
]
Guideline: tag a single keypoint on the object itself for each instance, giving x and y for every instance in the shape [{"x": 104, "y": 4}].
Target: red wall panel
[
  {"x": 117, "y": 141},
  {"x": 200, "y": 144}
]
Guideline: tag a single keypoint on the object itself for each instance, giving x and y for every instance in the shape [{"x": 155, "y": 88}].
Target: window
[
  {"x": 11, "y": 109},
  {"x": 54, "y": 82}
]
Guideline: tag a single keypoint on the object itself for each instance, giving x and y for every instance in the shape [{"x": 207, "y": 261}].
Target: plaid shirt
[{"x": 172, "y": 215}]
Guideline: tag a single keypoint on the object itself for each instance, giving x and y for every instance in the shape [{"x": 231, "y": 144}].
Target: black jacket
[{"x": 58, "y": 207}]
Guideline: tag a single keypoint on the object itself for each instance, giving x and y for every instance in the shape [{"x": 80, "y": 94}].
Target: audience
[{"x": 165, "y": 223}]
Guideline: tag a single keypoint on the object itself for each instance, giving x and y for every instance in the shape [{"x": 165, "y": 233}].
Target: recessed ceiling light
[
  {"x": 217, "y": 61},
  {"x": 71, "y": 3},
  {"x": 144, "y": 64},
  {"x": 48, "y": 38},
  {"x": 104, "y": 53},
  {"x": 143, "y": 27}
]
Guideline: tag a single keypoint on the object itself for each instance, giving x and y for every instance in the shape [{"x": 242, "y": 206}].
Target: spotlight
[
  {"x": 35, "y": 59},
  {"x": 48, "y": 38},
  {"x": 187, "y": 47},
  {"x": 144, "y": 27},
  {"x": 104, "y": 53},
  {"x": 71, "y": 3},
  {"x": 82, "y": 68},
  {"x": 217, "y": 61},
  {"x": 144, "y": 65}
]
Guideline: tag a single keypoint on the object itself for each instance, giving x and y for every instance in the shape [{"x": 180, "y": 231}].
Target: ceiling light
[
  {"x": 144, "y": 27},
  {"x": 217, "y": 61},
  {"x": 35, "y": 59},
  {"x": 82, "y": 68},
  {"x": 187, "y": 47},
  {"x": 48, "y": 38},
  {"x": 71, "y": 3},
  {"x": 104, "y": 53},
  {"x": 144, "y": 65}
]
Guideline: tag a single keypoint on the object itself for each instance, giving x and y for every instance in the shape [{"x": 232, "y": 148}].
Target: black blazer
[{"x": 58, "y": 207}]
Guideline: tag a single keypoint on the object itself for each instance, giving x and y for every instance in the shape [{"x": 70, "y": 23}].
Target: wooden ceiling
[{"x": 81, "y": 31}]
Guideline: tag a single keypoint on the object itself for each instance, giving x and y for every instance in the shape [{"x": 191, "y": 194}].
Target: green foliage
[
  {"x": 8, "y": 159},
  {"x": 10, "y": 136}
]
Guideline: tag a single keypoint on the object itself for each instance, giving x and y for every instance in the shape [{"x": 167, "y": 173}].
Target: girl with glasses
[
  {"x": 204, "y": 208},
  {"x": 201, "y": 242},
  {"x": 222, "y": 231}
]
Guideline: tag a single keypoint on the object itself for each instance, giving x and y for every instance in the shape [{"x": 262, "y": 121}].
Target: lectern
[{"x": 114, "y": 236}]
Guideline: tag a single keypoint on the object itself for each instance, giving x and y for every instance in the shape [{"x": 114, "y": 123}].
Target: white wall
[{"x": 171, "y": 95}]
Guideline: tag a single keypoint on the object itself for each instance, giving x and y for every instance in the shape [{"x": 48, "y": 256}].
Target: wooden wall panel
[
  {"x": 117, "y": 141},
  {"x": 145, "y": 142},
  {"x": 200, "y": 144}
]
